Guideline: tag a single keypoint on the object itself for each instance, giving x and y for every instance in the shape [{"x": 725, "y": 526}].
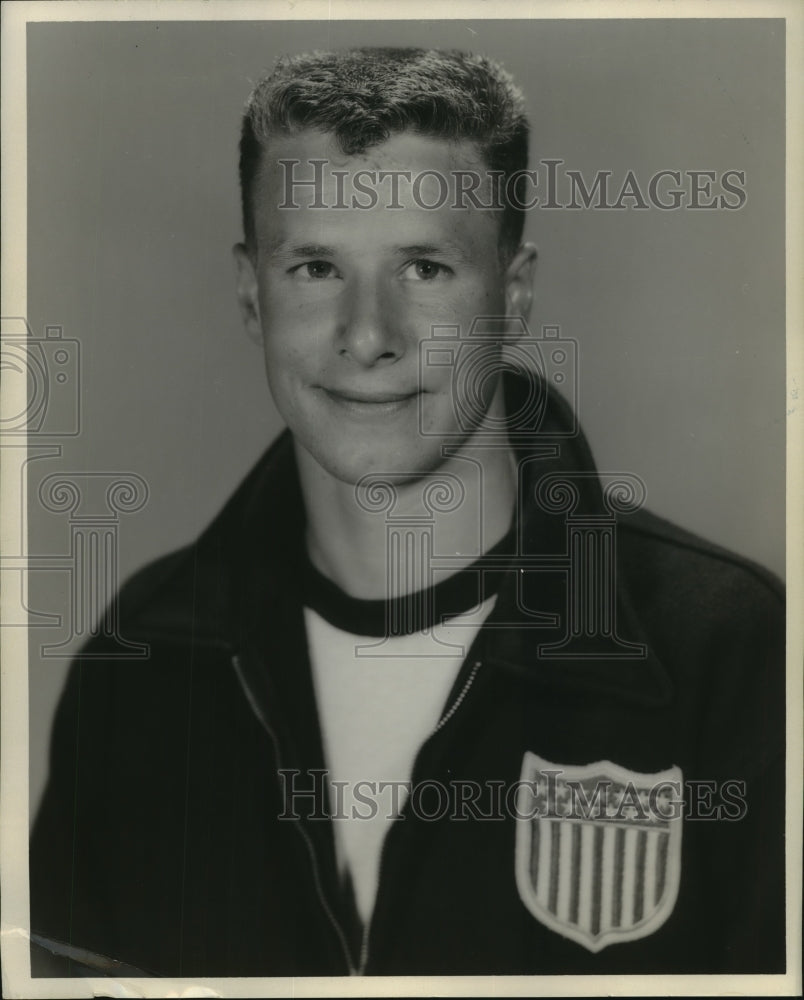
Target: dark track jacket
[{"x": 165, "y": 842}]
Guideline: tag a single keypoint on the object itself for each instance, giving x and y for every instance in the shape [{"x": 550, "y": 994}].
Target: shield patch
[{"x": 598, "y": 849}]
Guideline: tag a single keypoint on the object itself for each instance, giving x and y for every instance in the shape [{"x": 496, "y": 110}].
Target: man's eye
[
  {"x": 424, "y": 270},
  {"x": 314, "y": 270}
]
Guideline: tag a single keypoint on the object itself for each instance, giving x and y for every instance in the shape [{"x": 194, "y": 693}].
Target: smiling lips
[{"x": 377, "y": 403}]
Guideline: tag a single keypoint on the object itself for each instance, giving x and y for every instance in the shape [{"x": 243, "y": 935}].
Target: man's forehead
[
  {"x": 419, "y": 186},
  {"x": 406, "y": 150}
]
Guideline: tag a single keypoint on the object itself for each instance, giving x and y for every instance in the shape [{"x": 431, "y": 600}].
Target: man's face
[{"x": 341, "y": 299}]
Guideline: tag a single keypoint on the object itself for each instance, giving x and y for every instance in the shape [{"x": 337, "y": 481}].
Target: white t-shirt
[{"x": 377, "y": 704}]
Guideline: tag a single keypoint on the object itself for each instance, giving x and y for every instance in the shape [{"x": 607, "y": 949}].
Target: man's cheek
[
  {"x": 436, "y": 413},
  {"x": 286, "y": 358}
]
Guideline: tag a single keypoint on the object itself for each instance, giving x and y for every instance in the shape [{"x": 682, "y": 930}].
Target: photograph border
[{"x": 16, "y": 978}]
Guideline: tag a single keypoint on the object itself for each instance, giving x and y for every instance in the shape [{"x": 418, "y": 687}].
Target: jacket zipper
[
  {"x": 302, "y": 832},
  {"x": 360, "y": 969},
  {"x": 456, "y": 704},
  {"x": 448, "y": 714}
]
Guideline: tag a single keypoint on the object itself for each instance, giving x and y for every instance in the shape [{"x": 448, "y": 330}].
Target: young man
[{"x": 418, "y": 701}]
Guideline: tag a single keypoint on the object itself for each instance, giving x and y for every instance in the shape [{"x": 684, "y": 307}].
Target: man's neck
[{"x": 376, "y": 543}]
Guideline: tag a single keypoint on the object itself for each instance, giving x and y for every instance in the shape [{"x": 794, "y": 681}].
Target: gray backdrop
[{"x": 133, "y": 208}]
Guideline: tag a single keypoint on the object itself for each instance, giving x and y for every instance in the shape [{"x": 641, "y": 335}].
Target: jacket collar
[{"x": 562, "y": 502}]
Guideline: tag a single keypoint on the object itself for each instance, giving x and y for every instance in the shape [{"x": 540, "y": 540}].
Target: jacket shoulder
[
  {"x": 160, "y": 600},
  {"x": 716, "y": 620},
  {"x": 660, "y": 552},
  {"x": 149, "y": 581},
  {"x": 188, "y": 592}
]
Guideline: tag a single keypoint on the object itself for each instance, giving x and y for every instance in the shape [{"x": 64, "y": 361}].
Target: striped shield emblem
[{"x": 598, "y": 849}]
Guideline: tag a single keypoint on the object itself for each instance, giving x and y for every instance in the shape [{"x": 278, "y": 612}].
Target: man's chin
[{"x": 382, "y": 464}]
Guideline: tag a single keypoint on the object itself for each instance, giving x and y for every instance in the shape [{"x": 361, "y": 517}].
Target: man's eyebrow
[
  {"x": 298, "y": 250},
  {"x": 445, "y": 249}
]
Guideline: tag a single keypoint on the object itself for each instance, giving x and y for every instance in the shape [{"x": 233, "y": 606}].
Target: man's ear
[
  {"x": 519, "y": 276},
  {"x": 247, "y": 293}
]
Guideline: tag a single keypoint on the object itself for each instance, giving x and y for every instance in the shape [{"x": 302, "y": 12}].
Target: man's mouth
[{"x": 367, "y": 402}]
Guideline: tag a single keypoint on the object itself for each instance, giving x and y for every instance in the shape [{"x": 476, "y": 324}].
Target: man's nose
[{"x": 369, "y": 327}]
